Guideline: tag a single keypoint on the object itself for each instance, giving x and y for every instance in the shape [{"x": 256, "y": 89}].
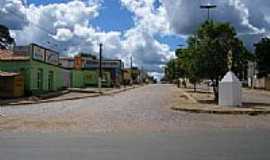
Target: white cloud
[
  {"x": 56, "y": 22},
  {"x": 146, "y": 50},
  {"x": 12, "y": 13},
  {"x": 247, "y": 16},
  {"x": 150, "y": 20},
  {"x": 147, "y": 16},
  {"x": 69, "y": 26},
  {"x": 63, "y": 34}
]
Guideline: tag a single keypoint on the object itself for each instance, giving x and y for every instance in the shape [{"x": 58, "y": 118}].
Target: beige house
[{"x": 262, "y": 83}]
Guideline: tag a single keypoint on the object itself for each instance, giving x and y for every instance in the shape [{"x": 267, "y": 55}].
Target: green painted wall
[
  {"x": 77, "y": 79},
  {"x": 58, "y": 79},
  {"x": 90, "y": 78},
  {"x": 29, "y": 70}
]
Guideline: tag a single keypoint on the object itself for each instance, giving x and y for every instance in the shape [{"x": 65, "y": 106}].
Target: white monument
[{"x": 230, "y": 91}]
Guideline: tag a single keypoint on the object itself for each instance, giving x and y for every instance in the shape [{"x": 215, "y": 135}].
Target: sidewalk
[
  {"x": 70, "y": 94},
  {"x": 255, "y": 102}
]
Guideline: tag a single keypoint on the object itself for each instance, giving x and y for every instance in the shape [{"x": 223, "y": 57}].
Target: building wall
[
  {"x": 267, "y": 83},
  {"x": 65, "y": 74},
  {"x": 83, "y": 78},
  {"x": 77, "y": 79},
  {"x": 22, "y": 67},
  {"x": 107, "y": 79},
  {"x": 58, "y": 82},
  {"x": 90, "y": 77},
  {"x": 11, "y": 87}
]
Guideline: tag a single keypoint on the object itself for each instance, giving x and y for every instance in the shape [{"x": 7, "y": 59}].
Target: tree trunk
[
  {"x": 194, "y": 87},
  {"x": 215, "y": 89}
]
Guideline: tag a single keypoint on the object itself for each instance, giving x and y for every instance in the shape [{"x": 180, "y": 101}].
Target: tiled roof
[
  {"x": 8, "y": 55},
  {"x": 8, "y": 74}
]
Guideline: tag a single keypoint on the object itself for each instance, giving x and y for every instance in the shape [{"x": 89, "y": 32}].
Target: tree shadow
[
  {"x": 208, "y": 101},
  {"x": 254, "y": 105},
  {"x": 244, "y": 104},
  {"x": 200, "y": 92}
]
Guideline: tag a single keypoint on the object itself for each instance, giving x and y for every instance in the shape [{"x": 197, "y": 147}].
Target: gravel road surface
[
  {"x": 137, "y": 124},
  {"x": 142, "y": 109}
]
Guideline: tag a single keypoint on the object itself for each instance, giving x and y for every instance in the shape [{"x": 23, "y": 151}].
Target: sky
[{"x": 147, "y": 30}]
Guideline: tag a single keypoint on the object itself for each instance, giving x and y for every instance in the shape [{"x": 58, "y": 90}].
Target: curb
[
  {"x": 83, "y": 91},
  {"x": 52, "y": 95},
  {"x": 222, "y": 112},
  {"x": 119, "y": 91},
  {"x": 69, "y": 99}
]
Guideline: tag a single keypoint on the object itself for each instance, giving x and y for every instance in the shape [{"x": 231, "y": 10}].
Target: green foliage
[
  {"x": 214, "y": 41},
  {"x": 189, "y": 63},
  {"x": 207, "y": 54},
  {"x": 171, "y": 70},
  {"x": 174, "y": 68},
  {"x": 263, "y": 57}
]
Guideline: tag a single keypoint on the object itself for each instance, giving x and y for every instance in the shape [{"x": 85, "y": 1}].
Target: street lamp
[
  {"x": 208, "y": 7},
  {"x": 100, "y": 68}
]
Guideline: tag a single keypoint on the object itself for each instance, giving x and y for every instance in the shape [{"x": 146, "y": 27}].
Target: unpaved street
[
  {"x": 132, "y": 125},
  {"x": 142, "y": 109}
]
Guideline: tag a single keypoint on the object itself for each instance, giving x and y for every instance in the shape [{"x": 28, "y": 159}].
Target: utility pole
[
  {"x": 208, "y": 7},
  {"x": 100, "y": 68},
  {"x": 131, "y": 69},
  {"x": 141, "y": 75}
]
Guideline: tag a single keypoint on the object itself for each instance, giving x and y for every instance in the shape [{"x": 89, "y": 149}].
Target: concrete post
[{"x": 230, "y": 91}]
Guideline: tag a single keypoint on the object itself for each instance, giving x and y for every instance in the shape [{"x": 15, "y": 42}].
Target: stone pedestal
[{"x": 230, "y": 91}]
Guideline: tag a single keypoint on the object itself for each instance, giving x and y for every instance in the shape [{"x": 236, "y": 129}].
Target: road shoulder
[{"x": 202, "y": 102}]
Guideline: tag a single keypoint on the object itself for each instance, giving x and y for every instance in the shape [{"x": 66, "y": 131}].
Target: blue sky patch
[
  {"x": 173, "y": 40},
  {"x": 113, "y": 17}
]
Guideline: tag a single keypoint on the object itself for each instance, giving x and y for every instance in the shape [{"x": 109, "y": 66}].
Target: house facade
[{"x": 39, "y": 67}]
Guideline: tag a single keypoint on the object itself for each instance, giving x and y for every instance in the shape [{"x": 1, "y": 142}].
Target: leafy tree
[
  {"x": 209, "y": 51},
  {"x": 174, "y": 68},
  {"x": 171, "y": 70},
  {"x": 5, "y": 39},
  {"x": 263, "y": 57},
  {"x": 188, "y": 59}
]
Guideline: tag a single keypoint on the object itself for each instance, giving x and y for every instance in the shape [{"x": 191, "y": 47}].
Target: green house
[
  {"x": 84, "y": 77},
  {"x": 39, "y": 67}
]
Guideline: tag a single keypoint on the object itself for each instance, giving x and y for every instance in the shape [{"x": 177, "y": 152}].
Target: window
[{"x": 39, "y": 79}]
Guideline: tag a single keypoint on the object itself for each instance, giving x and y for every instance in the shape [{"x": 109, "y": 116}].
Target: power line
[{"x": 35, "y": 25}]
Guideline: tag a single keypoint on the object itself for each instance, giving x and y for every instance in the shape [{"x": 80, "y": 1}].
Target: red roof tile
[{"x": 8, "y": 55}]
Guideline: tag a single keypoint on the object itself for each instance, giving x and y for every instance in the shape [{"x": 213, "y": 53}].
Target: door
[
  {"x": 40, "y": 79},
  {"x": 50, "y": 81}
]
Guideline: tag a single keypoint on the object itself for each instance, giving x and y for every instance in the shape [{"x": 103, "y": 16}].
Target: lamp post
[
  {"x": 100, "y": 68},
  {"x": 208, "y": 7}
]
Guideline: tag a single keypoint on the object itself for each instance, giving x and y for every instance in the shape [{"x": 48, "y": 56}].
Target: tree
[
  {"x": 209, "y": 51},
  {"x": 171, "y": 70},
  {"x": 174, "y": 69},
  {"x": 5, "y": 38},
  {"x": 188, "y": 59},
  {"x": 263, "y": 57}
]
